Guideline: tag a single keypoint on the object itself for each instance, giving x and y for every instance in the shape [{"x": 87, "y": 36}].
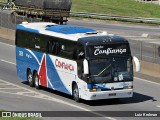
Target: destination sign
[{"x": 107, "y": 50}]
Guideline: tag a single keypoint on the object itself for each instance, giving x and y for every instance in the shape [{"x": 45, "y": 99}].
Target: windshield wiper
[{"x": 102, "y": 71}]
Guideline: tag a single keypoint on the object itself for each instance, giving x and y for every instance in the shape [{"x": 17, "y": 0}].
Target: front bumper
[{"x": 108, "y": 94}]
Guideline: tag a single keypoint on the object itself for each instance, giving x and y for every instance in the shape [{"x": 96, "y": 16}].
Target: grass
[{"x": 117, "y": 7}]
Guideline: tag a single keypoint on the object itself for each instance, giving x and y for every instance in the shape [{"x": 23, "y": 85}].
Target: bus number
[
  {"x": 20, "y": 53},
  {"x": 28, "y": 56}
]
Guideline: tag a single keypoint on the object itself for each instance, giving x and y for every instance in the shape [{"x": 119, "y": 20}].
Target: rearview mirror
[
  {"x": 137, "y": 63},
  {"x": 85, "y": 67}
]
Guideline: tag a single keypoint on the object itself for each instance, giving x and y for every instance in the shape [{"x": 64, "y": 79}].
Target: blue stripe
[
  {"x": 97, "y": 86},
  {"x": 21, "y": 27},
  {"x": 69, "y": 29},
  {"x": 90, "y": 86}
]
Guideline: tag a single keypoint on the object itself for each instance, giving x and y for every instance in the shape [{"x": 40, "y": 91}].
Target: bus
[{"x": 82, "y": 62}]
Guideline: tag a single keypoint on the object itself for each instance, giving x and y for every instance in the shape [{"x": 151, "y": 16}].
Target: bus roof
[{"x": 70, "y": 32}]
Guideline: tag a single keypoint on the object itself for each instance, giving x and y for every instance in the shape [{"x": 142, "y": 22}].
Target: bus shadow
[
  {"x": 55, "y": 92},
  {"x": 51, "y": 91},
  {"x": 137, "y": 98}
]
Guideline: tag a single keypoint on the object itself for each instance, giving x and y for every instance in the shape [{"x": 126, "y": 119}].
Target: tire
[
  {"x": 75, "y": 93},
  {"x": 36, "y": 81},
  {"x": 30, "y": 78}
]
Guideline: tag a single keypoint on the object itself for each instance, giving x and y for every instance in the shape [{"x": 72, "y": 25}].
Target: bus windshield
[{"x": 113, "y": 69}]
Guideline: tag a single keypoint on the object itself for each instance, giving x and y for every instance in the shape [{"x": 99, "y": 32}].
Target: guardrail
[
  {"x": 145, "y": 51},
  {"x": 119, "y": 18},
  {"x": 149, "y": 1}
]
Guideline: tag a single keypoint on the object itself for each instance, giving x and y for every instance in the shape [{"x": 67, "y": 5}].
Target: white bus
[{"x": 81, "y": 62}]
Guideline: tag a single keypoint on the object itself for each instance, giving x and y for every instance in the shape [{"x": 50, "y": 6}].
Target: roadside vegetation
[{"x": 117, "y": 7}]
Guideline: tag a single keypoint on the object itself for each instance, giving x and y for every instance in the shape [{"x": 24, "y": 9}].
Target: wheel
[
  {"x": 75, "y": 93},
  {"x": 36, "y": 81},
  {"x": 30, "y": 79}
]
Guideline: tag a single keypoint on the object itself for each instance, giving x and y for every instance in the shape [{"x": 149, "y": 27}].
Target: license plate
[{"x": 112, "y": 94}]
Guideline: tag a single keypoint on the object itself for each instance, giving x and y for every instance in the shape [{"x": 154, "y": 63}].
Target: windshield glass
[{"x": 114, "y": 69}]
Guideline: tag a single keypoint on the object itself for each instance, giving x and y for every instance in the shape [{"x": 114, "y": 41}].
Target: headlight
[{"x": 128, "y": 87}]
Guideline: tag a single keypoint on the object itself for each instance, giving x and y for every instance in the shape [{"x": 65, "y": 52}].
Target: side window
[
  {"x": 37, "y": 42},
  {"x": 21, "y": 38},
  {"x": 31, "y": 40},
  {"x": 53, "y": 47},
  {"x": 80, "y": 52},
  {"x": 67, "y": 49},
  {"x": 25, "y": 39}
]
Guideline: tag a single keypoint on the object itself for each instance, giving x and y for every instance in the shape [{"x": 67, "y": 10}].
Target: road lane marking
[
  {"x": 23, "y": 92},
  {"x": 7, "y": 44},
  {"x": 51, "y": 98},
  {"x": 7, "y": 62},
  {"x": 9, "y": 88},
  {"x": 147, "y": 81},
  {"x": 3, "y": 84},
  {"x": 158, "y": 106}
]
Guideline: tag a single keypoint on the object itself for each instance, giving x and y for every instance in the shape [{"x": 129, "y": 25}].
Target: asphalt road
[
  {"x": 118, "y": 28},
  {"x": 15, "y": 95}
]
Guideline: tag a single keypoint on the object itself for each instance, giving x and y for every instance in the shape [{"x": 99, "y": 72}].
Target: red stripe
[{"x": 42, "y": 73}]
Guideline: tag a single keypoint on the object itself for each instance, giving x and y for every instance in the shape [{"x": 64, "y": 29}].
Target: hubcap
[
  {"x": 75, "y": 93},
  {"x": 30, "y": 77},
  {"x": 36, "y": 81}
]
